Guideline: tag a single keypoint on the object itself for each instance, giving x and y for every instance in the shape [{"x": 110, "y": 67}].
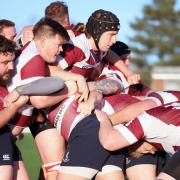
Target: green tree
[{"x": 157, "y": 35}]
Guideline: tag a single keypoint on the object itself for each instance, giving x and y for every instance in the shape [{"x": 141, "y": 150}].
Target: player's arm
[
  {"x": 113, "y": 58},
  {"x": 69, "y": 76},
  {"x": 40, "y": 102},
  {"x": 97, "y": 90},
  {"x": 106, "y": 86},
  {"x": 110, "y": 138},
  {"x": 42, "y": 86},
  {"x": 8, "y": 112},
  {"x": 38, "y": 73},
  {"x": 132, "y": 111}
]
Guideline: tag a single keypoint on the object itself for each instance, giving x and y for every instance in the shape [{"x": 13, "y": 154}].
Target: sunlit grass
[{"x": 30, "y": 155}]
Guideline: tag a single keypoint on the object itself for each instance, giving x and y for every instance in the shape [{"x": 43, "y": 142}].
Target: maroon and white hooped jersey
[
  {"x": 29, "y": 66},
  {"x": 78, "y": 56},
  {"x": 117, "y": 102},
  {"x": 3, "y": 93},
  {"x": 165, "y": 97},
  {"x": 159, "y": 126},
  {"x": 111, "y": 72},
  {"x": 18, "y": 119},
  {"x": 139, "y": 89},
  {"x": 65, "y": 116}
]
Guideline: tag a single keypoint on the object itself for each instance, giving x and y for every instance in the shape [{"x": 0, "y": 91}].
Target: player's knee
[{"x": 51, "y": 168}]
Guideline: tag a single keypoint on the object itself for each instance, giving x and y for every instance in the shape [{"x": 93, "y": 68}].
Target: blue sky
[{"x": 24, "y": 12}]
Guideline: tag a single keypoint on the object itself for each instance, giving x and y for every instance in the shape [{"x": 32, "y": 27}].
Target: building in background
[{"x": 165, "y": 78}]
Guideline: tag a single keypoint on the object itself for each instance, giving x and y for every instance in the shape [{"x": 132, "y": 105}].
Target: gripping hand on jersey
[
  {"x": 19, "y": 101},
  {"x": 83, "y": 90},
  {"x": 10, "y": 98},
  {"x": 93, "y": 101},
  {"x": 86, "y": 107}
]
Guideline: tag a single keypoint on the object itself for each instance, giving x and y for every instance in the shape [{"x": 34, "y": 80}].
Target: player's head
[
  {"x": 7, "y": 29},
  {"x": 49, "y": 35},
  {"x": 102, "y": 21},
  {"x": 122, "y": 50},
  {"x": 7, "y": 55},
  {"x": 58, "y": 11}
]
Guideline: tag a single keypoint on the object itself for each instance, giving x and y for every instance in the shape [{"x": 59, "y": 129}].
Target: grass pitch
[{"x": 30, "y": 155}]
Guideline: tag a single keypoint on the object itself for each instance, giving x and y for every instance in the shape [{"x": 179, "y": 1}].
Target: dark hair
[
  {"x": 79, "y": 28},
  {"x": 5, "y": 23},
  {"x": 48, "y": 27},
  {"x": 6, "y": 45},
  {"x": 101, "y": 21},
  {"x": 58, "y": 11},
  {"x": 120, "y": 48}
]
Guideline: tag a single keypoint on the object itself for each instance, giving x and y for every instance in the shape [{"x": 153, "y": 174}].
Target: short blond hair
[{"x": 48, "y": 27}]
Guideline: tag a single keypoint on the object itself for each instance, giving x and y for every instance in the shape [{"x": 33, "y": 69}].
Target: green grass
[{"x": 30, "y": 155}]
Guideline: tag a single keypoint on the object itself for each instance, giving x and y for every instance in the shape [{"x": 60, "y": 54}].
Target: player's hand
[
  {"x": 133, "y": 78},
  {"x": 22, "y": 100},
  {"x": 101, "y": 116},
  {"x": 71, "y": 87},
  {"x": 86, "y": 108},
  {"x": 83, "y": 90},
  {"x": 27, "y": 34},
  {"x": 137, "y": 150},
  {"x": 10, "y": 98}
]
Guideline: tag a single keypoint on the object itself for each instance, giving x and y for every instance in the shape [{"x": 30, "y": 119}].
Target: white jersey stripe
[
  {"x": 128, "y": 135},
  {"x": 60, "y": 114},
  {"x": 61, "y": 62},
  {"x": 26, "y": 110},
  {"x": 77, "y": 119},
  {"x": 107, "y": 108},
  {"x": 146, "y": 121},
  {"x": 167, "y": 97},
  {"x": 108, "y": 72},
  {"x": 82, "y": 43},
  {"x": 158, "y": 131}
]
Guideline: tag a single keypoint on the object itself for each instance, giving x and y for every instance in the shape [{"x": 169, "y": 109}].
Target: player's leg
[
  {"x": 6, "y": 172},
  {"x": 19, "y": 170},
  {"x": 141, "y": 168},
  {"x": 171, "y": 171},
  {"x": 113, "y": 167},
  {"x": 50, "y": 144},
  {"x": 84, "y": 156},
  {"x": 6, "y": 154},
  {"x": 115, "y": 175}
]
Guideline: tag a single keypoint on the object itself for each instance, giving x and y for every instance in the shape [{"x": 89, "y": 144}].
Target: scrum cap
[{"x": 101, "y": 21}]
